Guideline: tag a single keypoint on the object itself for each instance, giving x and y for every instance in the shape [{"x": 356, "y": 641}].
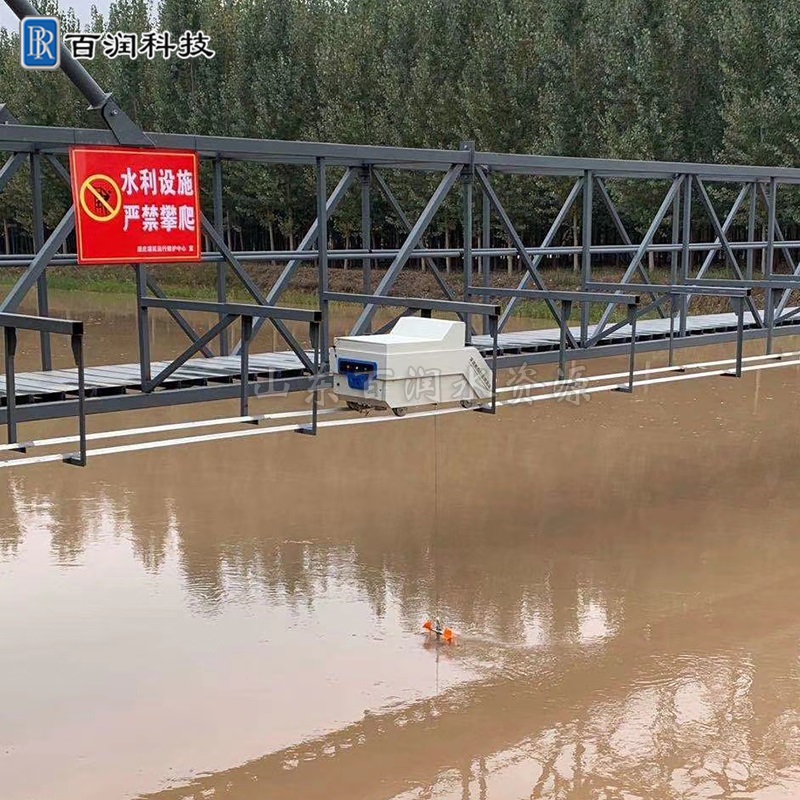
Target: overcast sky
[{"x": 82, "y": 8}]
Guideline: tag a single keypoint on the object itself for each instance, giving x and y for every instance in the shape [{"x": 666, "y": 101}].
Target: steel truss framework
[{"x": 466, "y": 171}]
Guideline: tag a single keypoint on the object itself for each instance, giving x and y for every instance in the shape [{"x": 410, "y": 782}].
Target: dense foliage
[{"x": 699, "y": 80}]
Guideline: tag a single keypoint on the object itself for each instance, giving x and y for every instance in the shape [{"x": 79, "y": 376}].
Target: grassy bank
[{"x": 199, "y": 282}]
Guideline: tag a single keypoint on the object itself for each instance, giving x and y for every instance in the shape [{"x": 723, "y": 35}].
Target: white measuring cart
[{"x": 422, "y": 361}]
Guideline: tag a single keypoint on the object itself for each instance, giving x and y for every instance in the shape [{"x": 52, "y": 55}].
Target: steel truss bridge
[{"x": 654, "y": 316}]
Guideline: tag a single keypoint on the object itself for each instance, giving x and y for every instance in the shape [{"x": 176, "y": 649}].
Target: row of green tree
[{"x": 706, "y": 80}]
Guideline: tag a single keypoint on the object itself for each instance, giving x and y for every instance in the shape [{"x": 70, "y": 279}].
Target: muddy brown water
[{"x": 243, "y": 619}]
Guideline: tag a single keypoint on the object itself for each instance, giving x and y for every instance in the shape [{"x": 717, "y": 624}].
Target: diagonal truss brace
[
  {"x": 794, "y": 266},
  {"x": 39, "y": 262},
  {"x": 406, "y": 250},
  {"x": 398, "y": 210},
  {"x": 546, "y": 242},
  {"x": 309, "y": 240},
  {"x": 720, "y": 234},
  {"x": 619, "y": 225},
  {"x": 11, "y": 168},
  {"x": 640, "y": 253},
  {"x": 244, "y": 277},
  {"x": 533, "y": 271}
]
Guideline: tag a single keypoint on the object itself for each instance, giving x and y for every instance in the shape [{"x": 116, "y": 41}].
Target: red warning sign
[{"x": 135, "y": 206}]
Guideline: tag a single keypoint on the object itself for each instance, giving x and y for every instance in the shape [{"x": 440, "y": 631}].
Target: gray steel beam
[
  {"x": 255, "y": 292},
  {"x": 10, "y": 169},
  {"x": 307, "y": 243},
  {"x": 734, "y": 210},
  {"x": 191, "y": 350},
  {"x": 39, "y": 263},
  {"x": 643, "y": 247},
  {"x": 545, "y": 248},
  {"x": 561, "y": 295},
  {"x": 411, "y": 241},
  {"x": 222, "y": 269},
  {"x": 751, "y": 227},
  {"x": 775, "y": 282},
  {"x": 720, "y": 233},
  {"x": 417, "y": 303},
  {"x": 366, "y": 226},
  {"x": 7, "y": 118},
  {"x": 466, "y": 225},
  {"x": 426, "y": 261},
  {"x": 38, "y": 241},
  {"x": 33, "y": 412},
  {"x": 530, "y": 265},
  {"x": 143, "y": 324},
  {"x": 322, "y": 261},
  {"x": 29, "y": 322},
  {"x": 486, "y": 243},
  {"x": 151, "y": 284},
  {"x": 714, "y": 288},
  {"x": 235, "y": 309},
  {"x": 686, "y": 242},
  {"x": 586, "y": 255},
  {"x": 619, "y": 225},
  {"x": 58, "y": 140}
]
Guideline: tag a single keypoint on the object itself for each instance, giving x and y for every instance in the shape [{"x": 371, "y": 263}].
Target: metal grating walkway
[
  {"x": 118, "y": 379},
  {"x": 121, "y": 378}
]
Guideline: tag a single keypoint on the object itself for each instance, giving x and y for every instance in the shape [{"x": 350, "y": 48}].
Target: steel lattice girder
[{"x": 55, "y": 140}]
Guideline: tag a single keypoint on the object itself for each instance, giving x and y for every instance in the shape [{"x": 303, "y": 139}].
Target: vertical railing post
[
  {"x": 467, "y": 226},
  {"x": 566, "y": 312},
  {"x": 38, "y": 243},
  {"x": 751, "y": 229},
  {"x": 76, "y": 342},
  {"x": 632, "y": 316},
  {"x": 671, "y": 359},
  {"x": 686, "y": 255},
  {"x": 315, "y": 332},
  {"x": 769, "y": 317},
  {"x": 486, "y": 243},
  {"x": 676, "y": 232},
  {"x": 494, "y": 325},
  {"x": 143, "y": 325},
  {"x": 739, "y": 336},
  {"x": 586, "y": 254},
  {"x": 366, "y": 230},
  {"x": 222, "y": 266},
  {"x": 10, "y": 335},
  {"x": 247, "y": 334},
  {"x": 322, "y": 258},
  {"x": 770, "y": 262},
  {"x": 316, "y": 341}
]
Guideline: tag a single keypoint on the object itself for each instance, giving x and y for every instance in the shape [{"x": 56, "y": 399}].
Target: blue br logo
[{"x": 40, "y": 47}]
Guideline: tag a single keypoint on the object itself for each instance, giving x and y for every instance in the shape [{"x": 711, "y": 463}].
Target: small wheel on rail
[
  {"x": 399, "y": 412},
  {"x": 467, "y": 403}
]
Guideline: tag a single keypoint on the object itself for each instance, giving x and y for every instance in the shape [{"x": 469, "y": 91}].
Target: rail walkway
[{"x": 125, "y": 379}]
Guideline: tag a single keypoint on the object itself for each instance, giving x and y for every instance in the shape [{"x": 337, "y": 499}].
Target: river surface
[{"x": 243, "y": 619}]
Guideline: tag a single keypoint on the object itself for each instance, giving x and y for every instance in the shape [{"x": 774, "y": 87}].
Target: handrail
[
  {"x": 737, "y": 293},
  {"x": 566, "y": 298},
  {"x": 228, "y": 313},
  {"x": 11, "y": 323}
]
